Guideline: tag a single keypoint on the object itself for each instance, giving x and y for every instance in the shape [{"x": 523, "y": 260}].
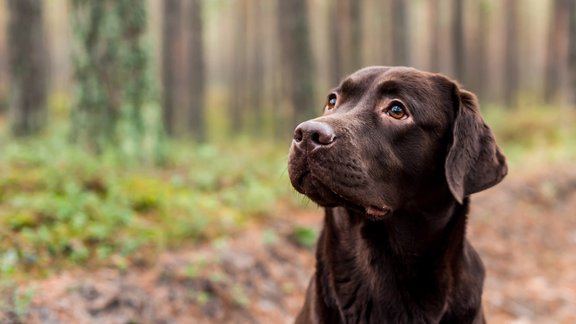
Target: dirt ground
[{"x": 524, "y": 229}]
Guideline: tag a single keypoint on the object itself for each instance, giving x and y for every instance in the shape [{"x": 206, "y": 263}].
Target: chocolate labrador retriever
[{"x": 393, "y": 159}]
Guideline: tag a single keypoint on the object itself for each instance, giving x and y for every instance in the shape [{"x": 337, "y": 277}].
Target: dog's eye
[
  {"x": 396, "y": 110},
  {"x": 331, "y": 101}
]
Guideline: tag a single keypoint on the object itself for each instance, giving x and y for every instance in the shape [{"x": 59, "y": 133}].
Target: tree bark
[
  {"x": 28, "y": 70},
  {"x": 296, "y": 54},
  {"x": 335, "y": 44},
  {"x": 511, "y": 78},
  {"x": 238, "y": 98},
  {"x": 458, "y": 40},
  {"x": 557, "y": 35},
  {"x": 346, "y": 37},
  {"x": 481, "y": 66},
  {"x": 197, "y": 72},
  {"x": 435, "y": 40},
  {"x": 356, "y": 40},
  {"x": 400, "y": 33},
  {"x": 572, "y": 53},
  {"x": 257, "y": 69},
  {"x": 110, "y": 70},
  {"x": 170, "y": 24}
]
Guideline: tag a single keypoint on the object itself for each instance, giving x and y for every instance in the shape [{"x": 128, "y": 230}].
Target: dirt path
[{"x": 525, "y": 231}]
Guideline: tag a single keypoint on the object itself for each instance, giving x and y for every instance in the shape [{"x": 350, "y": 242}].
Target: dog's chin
[
  {"x": 317, "y": 191},
  {"x": 326, "y": 196}
]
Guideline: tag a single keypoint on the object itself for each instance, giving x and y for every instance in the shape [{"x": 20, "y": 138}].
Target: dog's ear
[{"x": 474, "y": 161}]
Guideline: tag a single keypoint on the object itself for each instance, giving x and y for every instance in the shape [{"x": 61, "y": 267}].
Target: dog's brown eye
[
  {"x": 396, "y": 111},
  {"x": 331, "y": 101}
]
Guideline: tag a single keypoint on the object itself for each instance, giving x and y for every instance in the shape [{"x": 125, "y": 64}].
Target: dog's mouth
[{"x": 313, "y": 185}]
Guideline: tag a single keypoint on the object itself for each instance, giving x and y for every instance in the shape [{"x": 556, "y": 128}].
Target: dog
[{"x": 393, "y": 160}]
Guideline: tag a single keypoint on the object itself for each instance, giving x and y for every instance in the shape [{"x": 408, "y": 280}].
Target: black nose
[{"x": 314, "y": 133}]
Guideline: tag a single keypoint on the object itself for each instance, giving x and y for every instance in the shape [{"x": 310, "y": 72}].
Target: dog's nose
[{"x": 314, "y": 133}]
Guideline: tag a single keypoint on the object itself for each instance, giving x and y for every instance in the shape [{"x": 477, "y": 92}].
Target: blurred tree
[
  {"x": 335, "y": 47},
  {"x": 355, "y": 39},
  {"x": 458, "y": 40},
  {"x": 256, "y": 66},
  {"x": 480, "y": 64},
  {"x": 375, "y": 44},
  {"x": 345, "y": 32},
  {"x": 435, "y": 41},
  {"x": 28, "y": 71},
  {"x": 4, "y": 66},
  {"x": 111, "y": 66},
  {"x": 134, "y": 64},
  {"x": 196, "y": 71},
  {"x": 400, "y": 32},
  {"x": 238, "y": 98},
  {"x": 171, "y": 20},
  {"x": 296, "y": 55},
  {"x": 557, "y": 38},
  {"x": 511, "y": 73},
  {"x": 247, "y": 80},
  {"x": 572, "y": 53}
]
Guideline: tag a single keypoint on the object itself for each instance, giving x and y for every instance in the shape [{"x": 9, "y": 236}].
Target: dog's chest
[{"x": 371, "y": 302}]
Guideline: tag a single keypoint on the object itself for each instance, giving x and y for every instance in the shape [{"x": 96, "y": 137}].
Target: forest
[{"x": 143, "y": 149}]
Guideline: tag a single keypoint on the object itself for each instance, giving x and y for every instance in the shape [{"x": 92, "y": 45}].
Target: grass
[{"x": 61, "y": 207}]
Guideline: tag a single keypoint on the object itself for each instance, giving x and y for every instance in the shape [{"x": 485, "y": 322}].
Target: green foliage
[
  {"x": 304, "y": 236},
  {"x": 533, "y": 136},
  {"x": 61, "y": 206}
]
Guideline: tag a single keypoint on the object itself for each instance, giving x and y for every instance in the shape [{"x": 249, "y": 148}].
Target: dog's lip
[
  {"x": 371, "y": 210},
  {"x": 301, "y": 177},
  {"x": 378, "y": 211}
]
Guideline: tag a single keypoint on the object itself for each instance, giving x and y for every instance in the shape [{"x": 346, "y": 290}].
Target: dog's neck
[
  {"x": 399, "y": 254},
  {"x": 404, "y": 232}
]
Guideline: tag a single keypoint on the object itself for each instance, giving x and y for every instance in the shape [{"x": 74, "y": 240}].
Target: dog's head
[{"x": 391, "y": 137}]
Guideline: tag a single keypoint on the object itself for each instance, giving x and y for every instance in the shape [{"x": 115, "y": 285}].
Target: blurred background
[{"x": 143, "y": 149}]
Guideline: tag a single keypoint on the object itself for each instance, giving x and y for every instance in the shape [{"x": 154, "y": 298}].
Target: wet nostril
[
  {"x": 316, "y": 138},
  {"x": 298, "y": 135},
  {"x": 323, "y": 137}
]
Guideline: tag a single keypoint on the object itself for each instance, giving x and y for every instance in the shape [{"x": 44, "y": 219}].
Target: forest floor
[{"x": 524, "y": 230}]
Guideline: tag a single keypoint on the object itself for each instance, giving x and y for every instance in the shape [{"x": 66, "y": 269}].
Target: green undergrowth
[
  {"x": 60, "y": 206},
  {"x": 534, "y": 137}
]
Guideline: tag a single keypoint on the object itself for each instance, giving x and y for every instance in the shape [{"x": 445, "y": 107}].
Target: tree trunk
[
  {"x": 135, "y": 59},
  {"x": 400, "y": 33},
  {"x": 111, "y": 68},
  {"x": 335, "y": 45},
  {"x": 435, "y": 40},
  {"x": 557, "y": 36},
  {"x": 356, "y": 43},
  {"x": 458, "y": 40},
  {"x": 197, "y": 72},
  {"x": 481, "y": 49},
  {"x": 256, "y": 67},
  {"x": 346, "y": 38},
  {"x": 239, "y": 71},
  {"x": 27, "y": 57},
  {"x": 572, "y": 53},
  {"x": 171, "y": 22},
  {"x": 511, "y": 55},
  {"x": 296, "y": 55}
]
